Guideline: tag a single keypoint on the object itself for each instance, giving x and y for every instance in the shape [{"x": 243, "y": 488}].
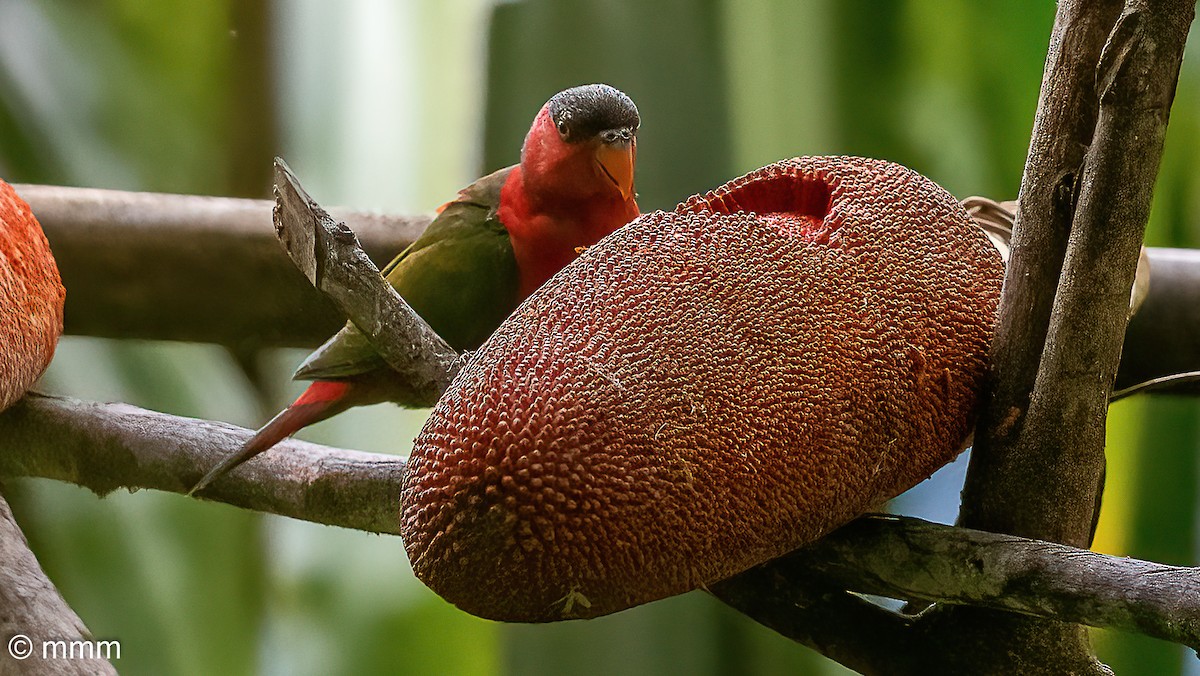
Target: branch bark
[
  {"x": 912, "y": 559},
  {"x": 33, "y": 613},
  {"x": 1055, "y": 450},
  {"x": 182, "y": 267},
  {"x": 104, "y": 447},
  {"x": 328, "y": 254},
  {"x": 1063, "y": 130}
]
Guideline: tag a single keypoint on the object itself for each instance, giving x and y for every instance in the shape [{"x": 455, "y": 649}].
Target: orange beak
[{"x": 616, "y": 161}]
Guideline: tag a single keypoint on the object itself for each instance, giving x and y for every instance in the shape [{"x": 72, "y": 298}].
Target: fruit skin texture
[
  {"x": 31, "y": 298},
  {"x": 705, "y": 390}
]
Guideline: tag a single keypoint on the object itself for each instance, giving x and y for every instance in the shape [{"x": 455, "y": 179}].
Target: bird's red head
[
  {"x": 583, "y": 144},
  {"x": 575, "y": 181}
]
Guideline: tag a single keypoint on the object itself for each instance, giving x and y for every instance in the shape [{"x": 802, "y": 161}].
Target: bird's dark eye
[
  {"x": 562, "y": 127},
  {"x": 616, "y": 135}
]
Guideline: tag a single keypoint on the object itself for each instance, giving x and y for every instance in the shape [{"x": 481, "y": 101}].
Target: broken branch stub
[{"x": 329, "y": 255}]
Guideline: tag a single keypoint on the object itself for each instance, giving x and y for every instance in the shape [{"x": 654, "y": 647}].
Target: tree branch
[
  {"x": 1038, "y": 463},
  {"x": 328, "y": 254},
  {"x": 1062, "y": 132},
  {"x": 182, "y": 267},
  {"x": 912, "y": 559},
  {"x": 33, "y": 613},
  {"x": 104, "y": 447},
  {"x": 1057, "y": 454}
]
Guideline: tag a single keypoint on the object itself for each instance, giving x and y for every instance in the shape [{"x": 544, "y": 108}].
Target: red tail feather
[
  {"x": 322, "y": 391},
  {"x": 322, "y": 399}
]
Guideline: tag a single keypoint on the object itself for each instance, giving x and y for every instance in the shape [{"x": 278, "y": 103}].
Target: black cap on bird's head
[
  {"x": 595, "y": 110},
  {"x": 604, "y": 114}
]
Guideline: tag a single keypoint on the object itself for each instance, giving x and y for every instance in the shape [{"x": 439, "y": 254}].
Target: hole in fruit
[
  {"x": 795, "y": 204},
  {"x": 779, "y": 193}
]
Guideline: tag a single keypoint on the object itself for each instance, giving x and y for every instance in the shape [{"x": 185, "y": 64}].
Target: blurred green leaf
[{"x": 675, "y": 76}]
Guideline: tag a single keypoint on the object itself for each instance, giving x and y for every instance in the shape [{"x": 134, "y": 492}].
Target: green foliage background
[{"x": 396, "y": 106}]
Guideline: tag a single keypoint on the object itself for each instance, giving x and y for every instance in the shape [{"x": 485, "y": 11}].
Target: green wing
[{"x": 460, "y": 276}]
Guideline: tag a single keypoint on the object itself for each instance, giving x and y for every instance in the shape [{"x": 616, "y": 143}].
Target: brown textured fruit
[
  {"x": 705, "y": 390},
  {"x": 31, "y": 298}
]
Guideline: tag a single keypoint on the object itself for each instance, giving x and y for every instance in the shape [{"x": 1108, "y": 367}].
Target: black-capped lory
[{"x": 485, "y": 252}]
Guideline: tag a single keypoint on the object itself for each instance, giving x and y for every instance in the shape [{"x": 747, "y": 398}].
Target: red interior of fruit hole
[{"x": 796, "y": 204}]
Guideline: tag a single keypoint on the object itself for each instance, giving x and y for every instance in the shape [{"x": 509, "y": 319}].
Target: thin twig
[
  {"x": 1173, "y": 381},
  {"x": 105, "y": 447}
]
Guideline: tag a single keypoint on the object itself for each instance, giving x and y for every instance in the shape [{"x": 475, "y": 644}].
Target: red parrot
[{"x": 486, "y": 251}]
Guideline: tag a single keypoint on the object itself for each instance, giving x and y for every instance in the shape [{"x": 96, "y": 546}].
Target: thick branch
[
  {"x": 1037, "y": 468},
  {"x": 104, "y": 447},
  {"x": 180, "y": 267},
  {"x": 1063, "y": 130},
  {"x": 33, "y": 614},
  {"x": 917, "y": 560},
  {"x": 1057, "y": 455}
]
